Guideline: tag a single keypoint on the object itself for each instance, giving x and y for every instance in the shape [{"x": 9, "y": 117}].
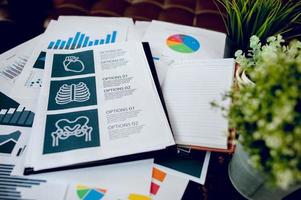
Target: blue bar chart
[
  {"x": 82, "y": 40},
  {"x": 10, "y": 185}
]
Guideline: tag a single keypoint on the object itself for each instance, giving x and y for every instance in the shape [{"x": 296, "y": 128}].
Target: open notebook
[
  {"x": 96, "y": 104},
  {"x": 188, "y": 88}
]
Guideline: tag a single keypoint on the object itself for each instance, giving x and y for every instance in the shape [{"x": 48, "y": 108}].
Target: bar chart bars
[
  {"x": 10, "y": 185},
  {"x": 13, "y": 68},
  {"x": 17, "y": 117},
  {"x": 12, "y": 113},
  {"x": 82, "y": 40}
]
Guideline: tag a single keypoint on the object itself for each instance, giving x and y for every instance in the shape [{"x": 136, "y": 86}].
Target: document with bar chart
[
  {"x": 14, "y": 114},
  {"x": 82, "y": 40},
  {"x": 12, "y": 63},
  {"x": 70, "y": 35},
  {"x": 98, "y": 95},
  {"x": 15, "y": 130},
  {"x": 13, "y": 145},
  {"x": 66, "y": 35},
  {"x": 20, "y": 187},
  {"x": 115, "y": 21}
]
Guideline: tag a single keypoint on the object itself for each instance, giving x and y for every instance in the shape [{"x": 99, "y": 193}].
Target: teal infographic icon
[
  {"x": 71, "y": 131},
  {"x": 40, "y": 62},
  {"x": 72, "y": 93},
  {"x": 73, "y": 64}
]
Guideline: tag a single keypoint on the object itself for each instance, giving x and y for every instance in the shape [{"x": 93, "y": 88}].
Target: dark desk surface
[{"x": 218, "y": 184}]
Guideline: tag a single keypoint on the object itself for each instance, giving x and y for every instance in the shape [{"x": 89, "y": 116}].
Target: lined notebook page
[{"x": 188, "y": 89}]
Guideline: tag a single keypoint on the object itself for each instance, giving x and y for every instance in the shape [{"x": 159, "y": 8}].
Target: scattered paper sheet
[
  {"x": 66, "y": 34},
  {"x": 116, "y": 181},
  {"x": 188, "y": 89},
  {"x": 21, "y": 187},
  {"x": 21, "y": 77},
  {"x": 167, "y": 186},
  {"x": 183, "y": 164},
  {"x": 172, "y": 42},
  {"x": 13, "y": 144},
  {"x": 184, "y": 42},
  {"x": 140, "y": 28},
  {"x": 107, "y": 21},
  {"x": 94, "y": 104},
  {"x": 12, "y": 63}
]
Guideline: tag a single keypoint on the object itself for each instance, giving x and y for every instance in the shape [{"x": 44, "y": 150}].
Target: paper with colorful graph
[
  {"x": 173, "y": 42},
  {"x": 129, "y": 180},
  {"x": 184, "y": 42}
]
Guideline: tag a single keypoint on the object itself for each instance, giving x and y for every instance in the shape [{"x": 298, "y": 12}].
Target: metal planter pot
[{"x": 249, "y": 182}]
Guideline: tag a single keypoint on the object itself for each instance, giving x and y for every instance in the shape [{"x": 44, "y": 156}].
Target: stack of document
[
  {"x": 87, "y": 92},
  {"x": 192, "y": 74}
]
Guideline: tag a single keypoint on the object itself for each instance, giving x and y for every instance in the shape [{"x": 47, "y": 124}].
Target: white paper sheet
[
  {"x": 166, "y": 185},
  {"x": 12, "y": 63},
  {"x": 13, "y": 142},
  {"x": 15, "y": 130},
  {"x": 182, "y": 172},
  {"x": 128, "y": 117},
  {"x": 172, "y": 42},
  {"x": 119, "y": 180},
  {"x": 21, "y": 187},
  {"x": 108, "y": 21},
  {"x": 184, "y": 42},
  {"x": 46, "y": 191},
  {"x": 82, "y": 31},
  {"x": 188, "y": 89},
  {"x": 140, "y": 28}
]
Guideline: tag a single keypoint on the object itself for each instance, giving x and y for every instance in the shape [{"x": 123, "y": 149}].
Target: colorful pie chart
[
  {"x": 183, "y": 43},
  {"x": 87, "y": 193}
]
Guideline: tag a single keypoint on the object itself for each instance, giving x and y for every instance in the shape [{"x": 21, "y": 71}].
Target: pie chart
[
  {"x": 87, "y": 193},
  {"x": 183, "y": 43}
]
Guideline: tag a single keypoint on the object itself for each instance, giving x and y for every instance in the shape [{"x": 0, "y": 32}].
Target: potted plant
[
  {"x": 263, "y": 18},
  {"x": 267, "y": 118},
  {"x": 255, "y": 55}
]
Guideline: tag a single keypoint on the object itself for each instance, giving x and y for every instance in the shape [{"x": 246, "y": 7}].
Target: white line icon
[
  {"x": 74, "y": 92},
  {"x": 69, "y": 64},
  {"x": 66, "y": 128}
]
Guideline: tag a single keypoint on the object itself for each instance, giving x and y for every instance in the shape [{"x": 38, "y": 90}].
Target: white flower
[
  {"x": 284, "y": 178},
  {"x": 238, "y": 53},
  {"x": 280, "y": 39},
  {"x": 271, "y": 39},
  {"x": 268, "y": 53},
  {"x": 254, "y": 42},
  {"x": 273, "y": 141}
]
